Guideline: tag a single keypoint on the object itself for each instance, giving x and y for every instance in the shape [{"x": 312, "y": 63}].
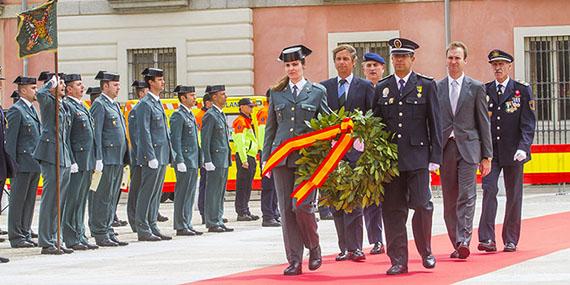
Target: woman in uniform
[{"x": 292, "y": 101}]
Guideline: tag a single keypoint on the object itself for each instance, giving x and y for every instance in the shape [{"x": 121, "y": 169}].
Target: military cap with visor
[
  {"x": 497, "y": 54},
  {"x": 107, "y": 76},
  {"x": 181, "y": 89},
  {"x": 402, "y": 46},
  {"x": 296, "y": 52}
]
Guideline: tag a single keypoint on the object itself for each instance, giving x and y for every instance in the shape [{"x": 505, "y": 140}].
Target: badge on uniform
[
  {"x": 490, "y": 105},
  {"x": 510, "y": 107},
  {"x": 517, "y": 99},
  {"x": 385, "y": 92},
  {"x": 419, "y": 88},
  {"x": 391, "y": 101},
  {"x": 115, "y": 123},
  {"x": 487, "y": 97}
]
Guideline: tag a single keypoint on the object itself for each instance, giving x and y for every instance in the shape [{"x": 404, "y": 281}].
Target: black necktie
[
  {"x": 34, "y": 111},
  {"x": 342, "y": 91},
  {"x": 402, "y": 82},
  {"x": 295, "y": 91},
  {"x": 500, "y": 90}
]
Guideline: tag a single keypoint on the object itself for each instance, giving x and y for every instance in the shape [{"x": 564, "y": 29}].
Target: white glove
[
  {"x": 433, "y": 167},
  {"x": 520, "y": 155},
  {"x": 358, "y": 145},
  {"x": 153, "y": 164},
  {"x": 74, "y": 168},
  {"x": 209, "y": 166},
  {"x": 99, "y": 165},
  {"x": 181, "y": 167}
]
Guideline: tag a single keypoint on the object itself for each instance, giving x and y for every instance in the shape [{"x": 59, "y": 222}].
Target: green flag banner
[{"x": 37, "y": 29}]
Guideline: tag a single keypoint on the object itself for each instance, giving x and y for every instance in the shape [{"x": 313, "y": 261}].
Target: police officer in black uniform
[
  {"x": 407, "y": 102},
  {"x": 511, "y": 109}
]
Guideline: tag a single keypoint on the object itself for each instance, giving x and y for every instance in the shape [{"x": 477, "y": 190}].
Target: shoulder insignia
[
  {"x": 424, "y": 76},
  {"x": 532, "y": 105},
  {"x": 319, "y": 86},
  {"x": 385, "y": 78},
  {"x": 522, "y": 82}
]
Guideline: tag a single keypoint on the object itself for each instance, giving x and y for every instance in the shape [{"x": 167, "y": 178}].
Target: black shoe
[
  {"x": 428, "y": 261},
  {"x": 33, "y": 242},
  {"x": 161, "y": 218},
  {"x": 23, "y": 244},
  {"x": 487, "y": 245},
  {"x": 226, "y": 229},
  {"x": 4, "y": 260},
  {"x": 51, "y": 250},
  {"x": 356, "y": 255},
  {"x": 149, "y": 237},
  {"x": 123, "y": 223},
  {"x": 463, "y": 250},
  {"x": 397, "y": 269},
  {"x": 244, "y": 218},
  {"x": 90, "y": 245},
  {"x": 2, "y": 239},
  {"x": 116, "y": 223},
  {"x": 196, "y": 232},
  {"x": 342, "y": 256},
  {"x": 162, "y": 237},
  {"x": 293, "y": 269},
  {"x": 106, "y": 243},
  {"x": 117, "y": 241},
  {"x": 270, "y": 223},
  {"x": 224, "y": 220},
  {"x": 327, "y": 217},
  {"x": 185, "y": 232},
  {"x": 378, "y": 248},
  {"x": 315, "y": 259},
  {"x": 2, "y": 232},
  {"x": 510, "y": 247},
  {"x": 216, "y": 229},
  {"x": 254, "y": 217},
  {"x": 79, "y": 246},
  {"x": 454, "y": 254},
  {"x": 34, "y": 235},
  {"x": 66, "y": 250}
]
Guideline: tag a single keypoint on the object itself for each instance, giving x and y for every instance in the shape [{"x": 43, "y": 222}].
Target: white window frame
[{"x": 374, "y": 36}]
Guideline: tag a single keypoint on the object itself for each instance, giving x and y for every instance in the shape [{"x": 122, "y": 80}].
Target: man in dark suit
[
  {"x": 511, "y": 109},
  {"x": 350, "y": 92},
  {"x": 407, "y": 102},
  {"x": 466, "y": 144},
  {"x": 7, "y": 167},
  {"x": 22, "y": 136}
]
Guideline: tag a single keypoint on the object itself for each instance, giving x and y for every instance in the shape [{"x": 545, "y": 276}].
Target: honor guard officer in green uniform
[
  {"x": 217, "y": 159},
  {"x": 187, "y": 159},
  {"x": 511, "y": 109},
  {"x": 22, "y": 137},
  {"x": 93, "y": 93},
  {"x": 15, "y": 96},
  {"x": 407, "y": 102},
  {"x": 246, "y": 151},
  {"x": 154, "y": 154},
  {"x": 111, "y": 155},
  {"x": 141, "y": 89},
  {"x": 82, "y": 142},
  {"x": 48, "y": 96},
  {"x": 293, "y": 102}
]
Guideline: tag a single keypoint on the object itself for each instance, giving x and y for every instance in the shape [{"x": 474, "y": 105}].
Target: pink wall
[{"x": 482, "y": 25}]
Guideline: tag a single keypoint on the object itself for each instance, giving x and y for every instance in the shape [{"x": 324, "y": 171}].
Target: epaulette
[
  {"x": 424, "y": 76},
  {"x": 319, "y": 86},
  {"x": 522, "y": 82},
  {"x": 385, "y": 78}
]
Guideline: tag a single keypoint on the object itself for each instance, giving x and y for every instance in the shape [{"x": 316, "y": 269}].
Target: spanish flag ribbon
[{"x": 330, "y": 162}]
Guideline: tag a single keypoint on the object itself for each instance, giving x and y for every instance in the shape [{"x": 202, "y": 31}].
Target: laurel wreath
[{"x": 360, "y": 185}]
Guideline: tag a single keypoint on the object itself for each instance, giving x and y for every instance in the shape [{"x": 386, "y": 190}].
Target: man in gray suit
[
  {"x": 153, "y": 153},
  {"x": 49, "y": 95},
  {"x": 217, "y": 159},
  {"x": 466, "y": 144},
  {"x": 111, "y": 154},
  {"x": 187, "y": 159},
  {"x": 22, "y": 136},
  {"x": 141, "y": 88},
  {"x": 82, "y": 143}
]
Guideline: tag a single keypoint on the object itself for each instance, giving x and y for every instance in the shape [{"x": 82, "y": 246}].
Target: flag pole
[{"x": 57, "y": 160}]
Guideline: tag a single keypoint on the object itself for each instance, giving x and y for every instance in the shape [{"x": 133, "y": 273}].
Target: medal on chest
[{"x": 419, "y": 89}]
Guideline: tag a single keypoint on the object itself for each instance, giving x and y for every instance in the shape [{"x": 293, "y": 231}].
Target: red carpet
[{"x": 541, "y": 236}]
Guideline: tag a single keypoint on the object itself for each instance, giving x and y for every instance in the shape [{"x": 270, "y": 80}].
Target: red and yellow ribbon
[{"x": 327, "y": 166}]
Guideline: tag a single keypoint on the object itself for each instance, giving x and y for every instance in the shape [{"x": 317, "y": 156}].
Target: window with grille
[
  {"x": 163, "y": 58},
  {"x": 548, "y": 72},
  {"x": 381, "y": 48}
]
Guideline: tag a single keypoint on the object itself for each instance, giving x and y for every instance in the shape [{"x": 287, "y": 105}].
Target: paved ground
[{"x": 186, "y": 259}]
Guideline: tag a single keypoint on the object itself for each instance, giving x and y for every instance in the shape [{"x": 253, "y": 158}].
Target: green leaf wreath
[{"x": 348, "y": 188}]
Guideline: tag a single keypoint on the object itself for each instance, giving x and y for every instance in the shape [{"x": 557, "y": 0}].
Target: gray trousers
[
  {"x": 148, "y": 200},
  {"x": 349, "y": 229},
  {"x": 48, "y": 206},
  {"x": 373, "y": 222},
  {"x": 513, "y": 186},
  {"x": 458, "y": 183},
  {"x": 22, "y": 200},
  {"x": 299, "y": 222},
  {"x": 184, "y": 195},
  {"x": 132, "y": 197},
  {"x": 214, "y": 197},
  {"x": 73, "y": 223},
  {"x": 103, "y": 202}
]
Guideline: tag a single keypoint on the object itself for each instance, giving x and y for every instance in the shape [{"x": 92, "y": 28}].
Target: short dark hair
[
  {"x": 457, "y": 44},
  {"x": 180, "y": 96}
]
